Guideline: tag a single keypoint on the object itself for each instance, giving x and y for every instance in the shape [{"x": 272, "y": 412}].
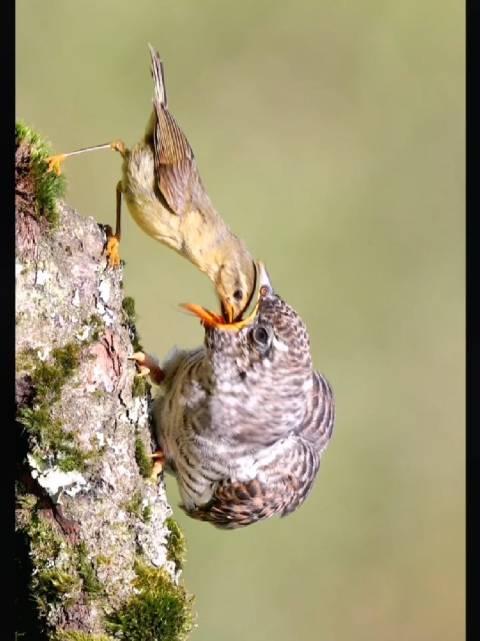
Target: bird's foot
[
  {"x": 111, "y": 249},
  {"x": 118, "y": 145},
  {"x": 158, "y": 458},
  {"x": 148, "y": 366},
  {"x": 55, "y": 163}
]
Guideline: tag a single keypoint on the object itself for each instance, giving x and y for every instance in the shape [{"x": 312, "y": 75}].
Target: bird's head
[
  {"x": 235, "y": 286},
  {"x": 273, "y": 333}
]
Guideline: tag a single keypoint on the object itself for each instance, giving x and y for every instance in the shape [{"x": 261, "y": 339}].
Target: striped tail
[{"x": 158, "y": 77}]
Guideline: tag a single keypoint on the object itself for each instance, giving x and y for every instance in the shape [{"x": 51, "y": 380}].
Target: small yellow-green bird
[{"x": 166, "y": 197}]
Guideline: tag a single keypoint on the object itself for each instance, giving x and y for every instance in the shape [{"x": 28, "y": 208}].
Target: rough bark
[{"x": 93, "y": 531}]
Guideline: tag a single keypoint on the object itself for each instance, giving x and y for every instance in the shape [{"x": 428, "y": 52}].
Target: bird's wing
[
  {"x": 236, "y": 504},
  {"x": 317, "y": 426},
  {"x": 175, "y": 167}
]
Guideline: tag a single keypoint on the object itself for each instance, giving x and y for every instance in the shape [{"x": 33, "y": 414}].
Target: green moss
[
  {"x": 25, "y": 501},
  {"x": 48, "y": 380},
  {"x": 53, "y": 580},
  {"x": 86, "y": 570},
  {"x": 140, "y": 386},
  {"x": 48, "y": 186},
  {"x": 134, "y": 504},
  {"x": 44, "y": 538},
  {"x": 176, "y": 546},
  {"x": 103, "y": 560},
  {"x": 39, "y": 423},
  {"x": 52, "y": 583},
  {"x": 134, "y": 507},
  {"x": 73, "y": 460},
  {"x": 24, "y": 361},
  {"x": 50, "y": 438},
  {"x": 144, "y": 461},
  {"x": 128, "y": 305},
  {"x": 97, "y": 326},
  {"x": 99, "y": 394},
  {"x": 61, "y": 570},
  {"x": 161, "y": 609},
  {"x": 78, "y": 635}
]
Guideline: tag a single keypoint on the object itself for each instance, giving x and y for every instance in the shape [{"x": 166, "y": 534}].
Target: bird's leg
[
  {"x": 118, "y": 145},
  {"x": 148, "y": 366},
  {"x": 55, "y": 162},
  {"x": 113, "y": 239},
  {"x": 158, "y": 458}
]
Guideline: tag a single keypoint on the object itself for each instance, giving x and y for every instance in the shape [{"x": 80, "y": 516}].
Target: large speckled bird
[{"x": 243, "y": 420}]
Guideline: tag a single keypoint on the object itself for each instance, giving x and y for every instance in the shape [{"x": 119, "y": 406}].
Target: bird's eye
[
  {"x": 264, "y": 291},
  {"x": 238, "y": 295},
  {"x": 261, "y": 336}
]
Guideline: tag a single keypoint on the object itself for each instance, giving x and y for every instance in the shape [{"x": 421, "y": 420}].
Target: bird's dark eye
[
  {"x": 261, "y": 336},
  {"x": 237, "y": 294}
]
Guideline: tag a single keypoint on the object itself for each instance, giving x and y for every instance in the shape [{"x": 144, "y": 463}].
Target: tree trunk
[{"x": 98, "y": 555}]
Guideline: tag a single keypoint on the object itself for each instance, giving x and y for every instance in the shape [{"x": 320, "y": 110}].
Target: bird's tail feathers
[{"x": 158, "y": 77}]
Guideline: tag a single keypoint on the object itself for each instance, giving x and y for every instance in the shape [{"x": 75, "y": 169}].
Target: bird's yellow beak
[
  {"x": 229, "y": 312},
  {"x": 210, "y": 319}
]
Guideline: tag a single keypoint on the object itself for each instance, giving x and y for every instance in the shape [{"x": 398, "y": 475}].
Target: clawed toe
[
  {"x": 158, "y": 458},
  {"x": 148, "y": 366},
  {"x": 112, "y": 251},
  {"x": 55, "y": 163}
]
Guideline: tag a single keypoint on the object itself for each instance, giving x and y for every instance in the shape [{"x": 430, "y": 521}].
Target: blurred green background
[{"x": 331, "y": 137}]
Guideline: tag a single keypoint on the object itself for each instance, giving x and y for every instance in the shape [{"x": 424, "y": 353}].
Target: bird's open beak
[{"x": 210, "y": 319}]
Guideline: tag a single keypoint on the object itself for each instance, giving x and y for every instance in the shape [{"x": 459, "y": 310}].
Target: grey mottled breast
[{"x": 213, "y": 428}]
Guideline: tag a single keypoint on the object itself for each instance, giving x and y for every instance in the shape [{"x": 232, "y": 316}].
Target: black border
[
  {"x": 7, "y": 300},
  {"x": 472, "y": 325}
]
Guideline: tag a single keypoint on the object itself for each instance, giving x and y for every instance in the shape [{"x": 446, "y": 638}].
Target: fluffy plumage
[{"x": 244, "y": 419}]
